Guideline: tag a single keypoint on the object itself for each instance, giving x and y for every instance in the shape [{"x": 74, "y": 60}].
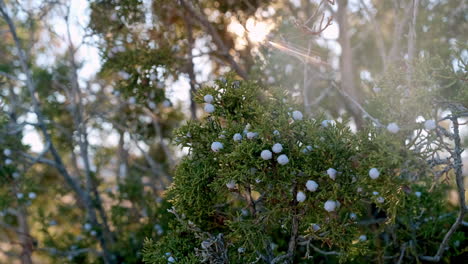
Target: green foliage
[
  {"x": 234, "y": 192},
  {"x": 178, "y": 244},
  {"x": 250, "y": 200},
  {"x": 397, "y": 97}
]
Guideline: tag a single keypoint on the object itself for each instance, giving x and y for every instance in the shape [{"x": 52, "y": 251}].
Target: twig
[
  {"x": 42, "y": 123},
  {"x": 190, "y": 66},
  {"x": 9, "y": 76},
  {"x": 402, "y": 253},
  {"x": 461, "y": 193},
  {"x": 323, "y": 252},
  {"x": 76, "y": 252},
  {"x": 398, "y": 31},
  {"x": 316, "y": 31},
  {"x": 158, "y": 130},
  {"x": 294, "y": 234},
  {"x": 358, "y": 105},
  {"x": 216, "y": 37}
]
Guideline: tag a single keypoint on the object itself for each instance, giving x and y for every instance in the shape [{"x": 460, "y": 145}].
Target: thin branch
[
  {"x": 358, "y": 105},
  {"x": 399, "y": 22},
  {"x": 32, "y": 90},
  {"x": 9, "y": 76},
  {"x": 158, "y": 130},
  {"x": 321, "y": 96},
  {"x": 316, "y": 31},
  {"x": 412, "y": 33},
  {"x": 294, "y": 234},
  {"x": 191, "y": 67},
  {"x": 76, "y": 252},
  {"x": 458, "y": 163},
  {"x": 30, "y": 83},
  {"x": 402, "y": 253},
  {"x": 216, "y": 37},
  {"x": 322, "y": 26},
  {"x": 326, "y": 253}
]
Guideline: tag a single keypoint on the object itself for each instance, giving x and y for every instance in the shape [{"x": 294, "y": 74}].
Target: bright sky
[
  {"x": 79, "y": 17},
  {"x": 177, "y": 90}
]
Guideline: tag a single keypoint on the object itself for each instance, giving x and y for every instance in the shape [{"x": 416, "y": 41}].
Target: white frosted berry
[
  {"x": 32, "y": 195},
  {"x": 237, "y": 137},
  {"x": 266, "y": 154},
  {"x": 326, "y": 123},
  {"x": 374, "y": 173},
  {"x": 282, "y": 159},
  {"x": 87, "y": 226},
  {"x": 241, "y": 250},
  {"x": 288, "y": 69},
  {"x": 393, "y": 128},
  {"x": 332, "y": 173},
  {"x": 216, "y": 146},
  {"x": 300, "y": 197},
  {"x": 8, "y": 162},
  {"x": 315, "y": 227},
  {"x": 236, "y": 84},
  {"x": 244, "y": 212},
  {"x": 209, "y": 108},
  {"x": 375, "y": 193},
  {"x": 418, "y": 194},
  {"x": 251, "y": 135},
  {"x": 276, "y": 133},
  {"x": 362, "y": 238},
  {"x": 167, "y": 103},
  {"x": 132, "y": 100},
  {"x": 312, "y": 185},
  {"x": 297, "y": 115},
  {"x": 307, "y": 149},
  {"x": 7, "y": 152},
  {"x": 15, "y": 175},
  {"x": 277, "y": 148},
  {"x": 430, "y": 124},
  {"x": 19, "y": 195},
  {"x": 124, "y": 75},
  {"x": 352, "y": 216},
  {"x": 380, "y": 199},
  {"x": 159, "y": 229},
  {"x": 231, "y": 184},
  {"x": 208, "y": 98},
  {"x": 330, "y": 206}
]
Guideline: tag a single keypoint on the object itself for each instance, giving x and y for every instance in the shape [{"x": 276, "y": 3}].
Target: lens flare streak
[{"x": 296, "y": 52}]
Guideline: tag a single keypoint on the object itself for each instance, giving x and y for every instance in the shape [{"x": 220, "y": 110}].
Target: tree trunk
[
  {"x": 190, "y": 68},
  {"x": 24, "y": 237},
  {"x": 346, "y": 61}
]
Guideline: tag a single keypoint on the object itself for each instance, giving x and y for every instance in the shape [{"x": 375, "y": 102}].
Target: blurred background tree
[{"x": 107, "y": 154}]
